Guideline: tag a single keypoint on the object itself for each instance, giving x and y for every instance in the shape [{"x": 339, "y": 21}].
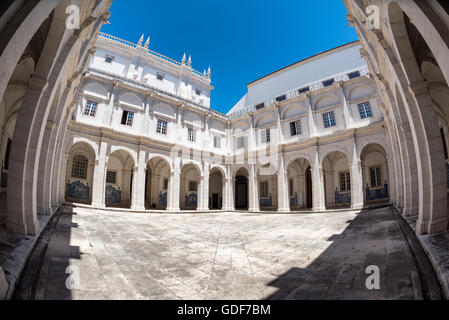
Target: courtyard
[{"x": 216, "y": 255}]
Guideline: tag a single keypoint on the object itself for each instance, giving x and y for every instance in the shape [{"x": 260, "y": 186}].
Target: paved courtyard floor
[{"x": 226, "y": 256}]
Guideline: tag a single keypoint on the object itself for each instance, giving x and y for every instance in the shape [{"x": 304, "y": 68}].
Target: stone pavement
[{"x": 225, "y": 256}]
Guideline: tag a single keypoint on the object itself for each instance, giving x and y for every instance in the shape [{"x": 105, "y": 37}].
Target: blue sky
[{"x": 241, "y": 40}]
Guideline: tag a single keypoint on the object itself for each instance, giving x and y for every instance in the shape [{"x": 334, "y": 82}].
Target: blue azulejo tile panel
[
  {"x": 191, "y": 200},
  {"x": 77, "y": 190},
  {"x": 162, "y": 199},
  {"x": 113, "y": 195}
]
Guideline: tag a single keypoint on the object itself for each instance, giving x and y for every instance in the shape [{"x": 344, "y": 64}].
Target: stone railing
[
  {"x": 141, "y": 85},
  {"x": 152, "y": 53},
  {"x": 313, "y": 86}
]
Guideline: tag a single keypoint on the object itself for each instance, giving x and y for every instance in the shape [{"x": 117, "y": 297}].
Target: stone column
[
  {"x": 318, "y": 201},
  {"x": 253, "y": 190},
  {"x": 228, "y": 203},
  {"x": 138, "y": 196},
  {"x": 311, "y": 117},
  {"x": 203, "y": 199},
  {"x": 346, "y": 112},
  {"x": 173, "y": 187},
  {"x": 282, "y": 181},
  {"x": 99, "y": 179},
  {"x": 356, "y": 185}
]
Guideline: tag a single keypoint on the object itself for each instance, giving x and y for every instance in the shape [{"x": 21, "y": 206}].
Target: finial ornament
[
  {"x": 183, "y": 61},
  {"x": 189, "y": 62},
  {"x": 208, "y": 72},
  {"x": 204, "y": 72},
  {"x": 147, "y": 43},
  {"x": 140, "y": 40}
]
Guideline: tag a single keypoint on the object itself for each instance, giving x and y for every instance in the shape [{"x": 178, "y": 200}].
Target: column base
[
  {"x": 138, "y": 208},
  {"x": 254, "y": 210},
  {"x": 202, "y": 209},
  {"x": 318, "y": 209},
  {"x": 227, "y": 209},
  {"x": 357, "y": 206},
  {"x": 173, "y": 209},
  {"x": 98, "y": 205},
  {"x": 283, "y": 210}
]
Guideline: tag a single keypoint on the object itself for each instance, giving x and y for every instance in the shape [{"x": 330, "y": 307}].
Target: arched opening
[
  {"x": 337, "y": 180},
  {"x": 157, "y": 179},
  {"x": 299, "y": 184},
  {"x": 119, "y": 179},
  {"x": 375, "y": 174},
  {"x": 268, "y": 187},
  {"x": 189, "y": 188},
  {"x": 216, "y": 189},
  {"x": 241, "y": 189},
  {"x": 426, "y": 74},
  {"x": 80, "y": 170}
]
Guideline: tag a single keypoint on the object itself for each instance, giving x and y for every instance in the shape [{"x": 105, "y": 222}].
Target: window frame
[
  {"x": 377, "y": 176},
  {"x": 191, "y": 134},
  {"x": 195, "y": 183},
  {"x": 365, "y": 110},
  {"x": 266, "y": 135},
  {"x": 331, "y": 120},
  {"x": 160, "y": 76},
  {"x": 264, "y": 189},
  {"x": 87, "y": 112},
  {"x": 295, "y": 128},
  {"x": 163, "y": 129},
  {"x": 110, "y": 58},
  {"x": 344, "y": 181},
  {"x": 115, "y": 176},
  {"x": 77, "y": 167},
  {"x": 217, "y": 142},
  {"x": 127, "y": 119}
]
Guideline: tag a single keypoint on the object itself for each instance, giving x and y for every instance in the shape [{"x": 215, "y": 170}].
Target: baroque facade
[{"x": 143, "y": 136}]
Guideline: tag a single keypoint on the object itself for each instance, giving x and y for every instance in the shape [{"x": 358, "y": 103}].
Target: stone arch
[
  {"x": 190, "y": 186},
  {"x": 217, "y": 176},
  {"x": 293, "y": 110},
  {"x": 337, "y": 179},
  {"x": 264, "y": 118},
  {"x": 300, "y": 190},
  {"x": 157, "y": 182},
  {"x": 241, "y": 188},
  {"x": 79, "y": 183},
  {"x": 120, "y": 178},
  {"x": 326, "y": 100}
]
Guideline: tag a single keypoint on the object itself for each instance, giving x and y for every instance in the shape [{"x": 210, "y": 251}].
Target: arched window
[{"x": 79, "y": 167}]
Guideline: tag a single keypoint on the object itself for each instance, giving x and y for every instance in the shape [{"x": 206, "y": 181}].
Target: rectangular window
[
  {"x": 161, "y": 126},
  {"x": 160, "y": 76},
  {"x": 217, "y": 142},
  {"x": 375, "y": 177},
  {"x": 329, "y": 82},
  {"x": 198, "y": 92},
  {"x": 329, "y": 119},
  {"x": 302, "y": 90},
  {"x": 266, "y": 135},
  {"x": 240, "y": 142},
  {"x": 365, "y": 110},
  {"x": 165, "y": 184},
  {"x": 260, "y": 106},
  {"x": 109, "y": 59},
  {"x": 295, "y": 128},
  {"x": 345, "y": 181},
  {"x": 111, "y": 176},
  {"x": 354, "y": 74},
  {"x": 264, "y": 189},
  {"x": 90, "y": 109},
  {"x": 290, "y": 187},
  {"x": 281, "y": 98},
  {"x": 127, "y": 118},
  {"x": 191, "y": 134},
  {"x": 192, "y": 186}
]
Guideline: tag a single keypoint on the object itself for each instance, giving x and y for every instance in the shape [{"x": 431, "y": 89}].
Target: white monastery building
[{"x": 144, "y": 136}]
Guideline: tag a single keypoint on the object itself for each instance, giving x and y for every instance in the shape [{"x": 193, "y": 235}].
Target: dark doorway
[
  {"x": 215, "y": 201},
  {"x": 308, "y": 188},
  {"x": 241, "y": 192}
]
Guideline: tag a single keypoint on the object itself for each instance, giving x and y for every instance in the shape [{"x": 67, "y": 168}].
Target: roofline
[{"x": 300, "y": 61}]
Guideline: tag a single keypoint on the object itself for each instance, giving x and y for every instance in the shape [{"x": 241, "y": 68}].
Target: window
[
  {"x": 198, "y": 92},
  {"x": 266, "y": 135},
  {"x": 345, "y": 181},
  {"x": 295, "y": 128},
  {"x": 8, "y": 151},
  {"x": 127, "y": 118},
  {"x": 302, "y": 90},
  {"x": 90, "y": 109},
  {"x": 109, "y": 59},
  {"x": 264, "y": 189},
  {"x": 79, "y": 167},
  {"x": 191, "y": 134},
  {"x": 111, "y": 176},
  {"x": 217, "y": 142},
  {"x": 365, "y": 110},
  {"x": 260, "y": 106},
  {"x": 160, "y": 76},
  {"x": 329, "y": 119},
  {"x": 281, "y": 98},
  {"x": 165, "y": 184},
  {"x": 240, "y": 142},
  {"x": 375, "y": 177},
  {"x": 329, "y": 82},
  {"x": 193, "y": 186},
  {"x": 290, "y": 187},
  {"x": 161, "y": 126},
  {"x": 353, "y": 75}
]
